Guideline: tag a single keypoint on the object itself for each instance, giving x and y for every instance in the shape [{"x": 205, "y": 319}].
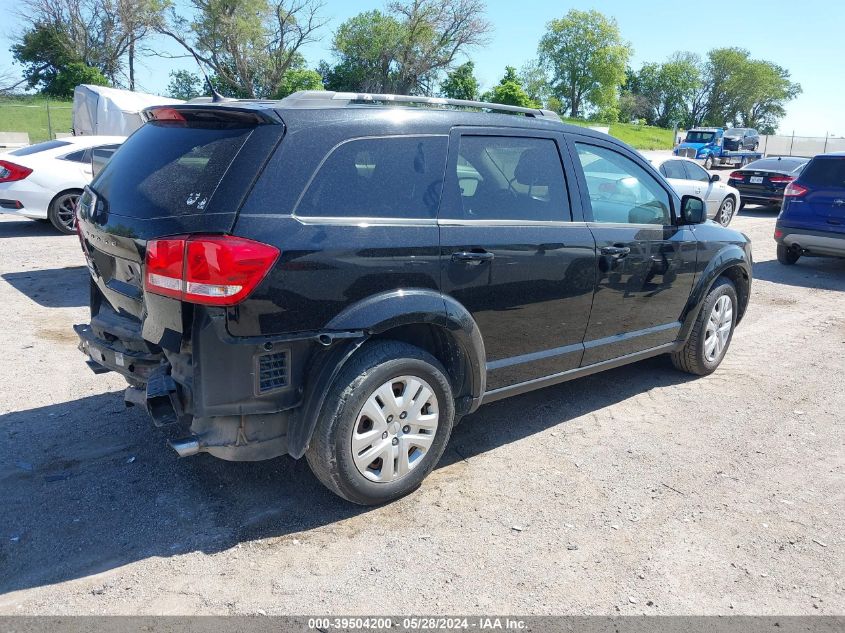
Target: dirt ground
[{"x": 639, "y": 490}]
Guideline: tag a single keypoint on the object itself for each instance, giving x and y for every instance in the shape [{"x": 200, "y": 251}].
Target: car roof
[
  {"x": 90, "y": 141},
  {"x": 657, "y": 161}
]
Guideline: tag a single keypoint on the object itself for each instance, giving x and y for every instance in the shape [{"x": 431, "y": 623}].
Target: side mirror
[
  {"x": 715, "y": 178},
  {"x": 693, "y": 210}
]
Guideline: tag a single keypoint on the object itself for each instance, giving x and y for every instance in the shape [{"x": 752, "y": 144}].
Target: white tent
[{"x": 110, "y": 111}]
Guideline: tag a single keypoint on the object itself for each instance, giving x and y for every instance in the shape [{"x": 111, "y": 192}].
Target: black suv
[{"x": 344, "y": 276}]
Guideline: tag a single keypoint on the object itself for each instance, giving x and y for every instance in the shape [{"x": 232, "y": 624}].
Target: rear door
[
  {"x": 824, "y": 178},
  {"x": 515, "y": 252},
  {"x": 646, "y": 263}
]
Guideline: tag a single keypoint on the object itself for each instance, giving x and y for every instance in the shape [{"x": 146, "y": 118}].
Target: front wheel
[
  {"x": 712, "y": 332},
  {"x": 726, "y": 211},
  {"x": 787, "y": 256},
  {"x": 385, "y": 425}
]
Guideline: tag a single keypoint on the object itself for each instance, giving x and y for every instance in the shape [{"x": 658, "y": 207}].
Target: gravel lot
[{"x": 635, "y": 491}]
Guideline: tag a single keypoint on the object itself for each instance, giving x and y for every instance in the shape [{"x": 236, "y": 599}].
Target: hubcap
[
  {"x": 718, "y": 328},
  {"x": 66, "y": 210},
  {"x": 727, "y": 212},
  {"x": 384, "y": 449}
]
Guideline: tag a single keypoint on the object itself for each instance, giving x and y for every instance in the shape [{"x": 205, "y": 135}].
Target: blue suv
[{"x": 812, "y": 221}]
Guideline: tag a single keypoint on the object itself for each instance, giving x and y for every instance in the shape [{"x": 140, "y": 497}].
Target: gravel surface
[{"x": 640, "y": 490}]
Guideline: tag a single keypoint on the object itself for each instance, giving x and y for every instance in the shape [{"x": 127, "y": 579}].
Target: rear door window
[
  {"x": 167, "y": 168},
  {"x": 511, "y": 178},
  {"x": 825, "y": 172},
  {"x": 385, "y": 177},
  {"x": 695, "y": 172}
]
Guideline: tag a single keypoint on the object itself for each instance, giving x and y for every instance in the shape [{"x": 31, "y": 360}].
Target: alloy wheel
[
  {"x": 726, "y": 212},
  {"x": 395, "y": 429},
  {"x": 66, "y": 210},
  {"x": 718, "y": 328}
]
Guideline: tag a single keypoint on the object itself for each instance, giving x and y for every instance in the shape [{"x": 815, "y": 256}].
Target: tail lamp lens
[
  {"x": 737, "y": 175},
  {"x": 794, "y": 190},
  {"x": 10, "y": 172},
  {"x": 209, "y": 270}
]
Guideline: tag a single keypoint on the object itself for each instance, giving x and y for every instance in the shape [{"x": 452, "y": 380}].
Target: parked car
[
  {"x": 739, "y": 138},
  {"x": 339, "y": 277},
  {"x": 44, "y": 181},
  {"x": 812, "y": 220},
  {"x": 764, "y": 180},
  {"x": 688, "y": 178},
  {"x": 707, "y": 145}
]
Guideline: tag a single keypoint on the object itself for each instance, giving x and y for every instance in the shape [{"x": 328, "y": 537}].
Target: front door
[
  {"x": 511, "y": 253},
  {"x": 646, "y": 263}
]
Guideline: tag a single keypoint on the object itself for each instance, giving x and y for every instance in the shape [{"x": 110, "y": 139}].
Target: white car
[
  {"x": 44, "y": 181},
  {"x": 689, "y": 178}
]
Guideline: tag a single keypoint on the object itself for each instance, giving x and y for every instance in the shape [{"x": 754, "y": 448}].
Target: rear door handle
[
  {"x": 617, "y": 252},
  {"x": 472, "y": 257}
]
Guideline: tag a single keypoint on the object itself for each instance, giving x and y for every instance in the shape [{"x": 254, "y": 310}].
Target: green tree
[
  {"x": 461, "y": 83},
  {"x": 184, "y": 85},
  {"x": 296, "y": 79},
  {"x": 668, "y": 89},
  {"x": 586, "y": 57},
  {"x": 509, "y": 91},
  {"x": 533, "y": 78},
  {"x": 50, "y": 63},
  {"x": 407, "y": 48},
  {"x": 248, "y": 44}
]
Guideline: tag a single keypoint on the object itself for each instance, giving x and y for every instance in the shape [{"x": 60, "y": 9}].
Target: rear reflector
[
  {"x": 794, "y": 190},
  {"x": 10, "y": 172},
  {"x": 781, "y": 179},
  {"x": 778, "y": 234},
  {"x": 217, "y": 270},
  {"x": 737, "y": 175}
]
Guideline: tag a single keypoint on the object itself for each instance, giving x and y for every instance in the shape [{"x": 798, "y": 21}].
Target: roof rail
[{"x": 329, "y": 99}]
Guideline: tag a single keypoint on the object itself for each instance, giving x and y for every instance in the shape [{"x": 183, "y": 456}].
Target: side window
[
  {"x": 389, "y": 177},
  {"x": 511, "y": 178},
  {"x": 621, "y": 191},
  {"x": 696, "y": 172},
  {"x": 76, "y": 157},
  {"x": 674, "y": 169}
]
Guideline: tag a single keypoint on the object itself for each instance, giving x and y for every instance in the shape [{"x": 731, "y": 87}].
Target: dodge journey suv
[{"x": 344, "y": 276}]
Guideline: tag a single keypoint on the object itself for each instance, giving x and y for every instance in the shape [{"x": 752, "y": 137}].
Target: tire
[
  {"x": 726, "y": 211},
  {"x": 741, "y": 206},
  {"x": 379, "y": 370},
  {"x": 708, "y": 163},
  {"x": 62, "y": 211},
  {"x": 699, "y": 356},
  {"x": 787, "y": 256}
]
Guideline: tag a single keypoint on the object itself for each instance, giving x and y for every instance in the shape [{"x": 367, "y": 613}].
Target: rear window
[
  {"x": 784, "y": 164},
  {"x": 39, "y": 147},
  {"x": 825, "y": 172},
  {"x": 169, "y": 168},
  {"x": 388, "y": 177}
]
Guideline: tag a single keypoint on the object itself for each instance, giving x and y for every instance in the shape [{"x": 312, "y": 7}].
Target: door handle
[
  {"x": 472, "y": 257},
  {"x": 616, "y": 252}
]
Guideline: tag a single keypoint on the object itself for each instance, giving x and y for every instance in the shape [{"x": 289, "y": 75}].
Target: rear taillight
[
  {"x": 219, "y": 270},
  {"x": 781, "y": 179},
  {"x": 10, "y": 172},
  {"x": 794, "y": 190},
  {"x": 778, "y": 234},
  {"x": 737, "y": 175}
]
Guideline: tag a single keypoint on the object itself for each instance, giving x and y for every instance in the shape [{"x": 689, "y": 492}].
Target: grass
[
  {"x": 29, "y": 114},
  {"x": 637, "y": 136}
]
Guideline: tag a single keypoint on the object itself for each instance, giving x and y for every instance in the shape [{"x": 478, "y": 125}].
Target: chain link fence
[{"x": 41, "y": 120}]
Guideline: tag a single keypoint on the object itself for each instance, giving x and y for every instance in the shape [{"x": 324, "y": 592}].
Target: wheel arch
[{"x": 425, "y": 318}]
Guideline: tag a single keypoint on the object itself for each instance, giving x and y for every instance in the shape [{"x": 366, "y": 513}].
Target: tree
[
  {"x": 50, "y": 63},
  {"x": 586, "y": 56},
  {"x": 184, "y": 85},
  {"x": 461, "y": 83},
  {"x": 139, "y": 19},
  {"x": 509, "y": 91},
  {"x": 407, "y": 48},
  {"x": 248, "y": 44},
  {"x": 668, "y": 89},
  {"x": 296, "y": 79},
  {"x": 533, "y": 78}
]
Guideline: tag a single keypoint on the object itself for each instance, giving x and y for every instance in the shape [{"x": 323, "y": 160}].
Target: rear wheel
[
  {"x": 787, "y": 256},
  {"x": 62, "y": 211},
  {"x": 726, "y": 211},
  {"x": 385, "y": 424},
  {"x": 712, "y": 333}
]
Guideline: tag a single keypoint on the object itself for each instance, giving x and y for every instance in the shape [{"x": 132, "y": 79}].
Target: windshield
[
  {"x": 169, "y": 168},
  {"x": 735, "y": 133},
  {"x": 700, "y": 137}
]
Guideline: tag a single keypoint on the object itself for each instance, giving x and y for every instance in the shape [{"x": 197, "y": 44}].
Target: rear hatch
[
  {"x": 186, "y": 171},
  {"x": 824, "y": 200}
]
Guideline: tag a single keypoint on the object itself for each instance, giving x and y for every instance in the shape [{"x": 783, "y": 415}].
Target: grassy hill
[
  {"x": 29, "y": 114},
  {"x": 637, "y": 136}
]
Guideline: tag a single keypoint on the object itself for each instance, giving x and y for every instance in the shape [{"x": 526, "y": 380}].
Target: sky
[{"x": 803, "y": 37}]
